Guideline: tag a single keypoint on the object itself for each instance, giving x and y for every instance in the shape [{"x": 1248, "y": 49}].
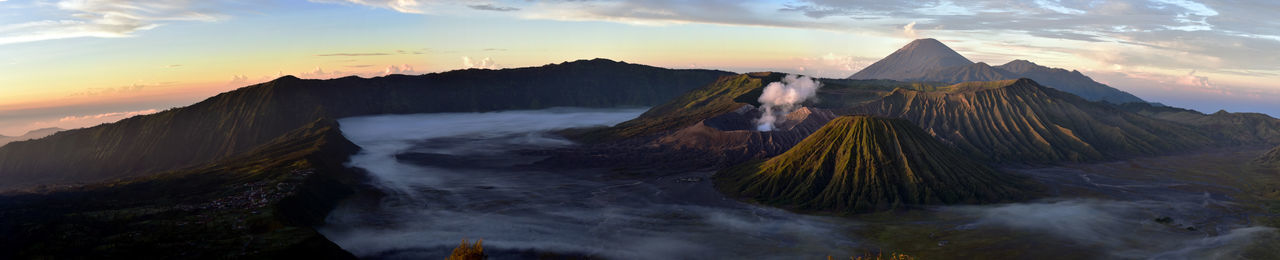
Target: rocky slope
[
  {"x": 858, "y": 164},
  {"x": 1022, "y": 121},
  {"x": 238, "y": 121},
  {"x": 262, "y": 204},
  {"x": 1270, "y": 158},
  {"x": 913, "y": 61}
]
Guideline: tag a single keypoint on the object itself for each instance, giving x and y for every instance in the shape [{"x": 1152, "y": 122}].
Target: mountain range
[
  {"x": 33, "y": 134},
  {"x": 930, "y": 60},
  {"x": 254, "y": 170},
  {"x": 238, "y": 121}
]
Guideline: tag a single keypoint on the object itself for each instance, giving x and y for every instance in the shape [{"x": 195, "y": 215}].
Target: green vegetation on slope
[
  {"x": 859, "y": 164},
  {"x": 238, "y": 121},
  {"x": 1270, "y": 158},
  {"x": 1021, "y": 121},
  {"x": 258, "y": 205}
]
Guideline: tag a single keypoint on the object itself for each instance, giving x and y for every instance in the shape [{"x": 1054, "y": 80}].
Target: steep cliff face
[
  {"x": 261, "y": 204},
  {"x": 239, "y": 121},
  {"x": 858, "y": 164},
  {"x": 1022, "y": 121}
]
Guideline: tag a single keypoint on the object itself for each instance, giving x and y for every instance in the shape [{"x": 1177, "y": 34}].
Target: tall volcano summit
[
  {"x": 928, "y": 60},
  {"x": 913, "y": 61}
]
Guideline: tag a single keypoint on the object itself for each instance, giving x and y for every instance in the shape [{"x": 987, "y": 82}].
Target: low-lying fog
[{"x": 457, "y": 178}]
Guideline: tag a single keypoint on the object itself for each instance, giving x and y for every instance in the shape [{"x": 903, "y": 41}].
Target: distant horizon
[
  {"x": 90, "y": 120},
  {"x": 131, "y": 57}
]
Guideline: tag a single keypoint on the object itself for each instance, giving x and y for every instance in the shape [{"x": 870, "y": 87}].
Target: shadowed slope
[
  {"x": 1227, "y": 128},
  {"x": 1072, "y": 82},
  {"x": 860, "y": 164},
  {"x": 261, "y": 204},
  {"x": 238, "y": 121},
  {"x": 1021, "y": 121},
  {"x": 1270, "y": 158}
]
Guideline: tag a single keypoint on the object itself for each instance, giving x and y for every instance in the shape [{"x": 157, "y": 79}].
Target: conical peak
[
  {"x": 1020, "y": 62},
  {"x": 926, "y": 42},
  {"x": 913, "y": 61}
]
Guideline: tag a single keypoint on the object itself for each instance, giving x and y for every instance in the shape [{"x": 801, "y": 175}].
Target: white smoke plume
[{"x": 780, "y": 98}]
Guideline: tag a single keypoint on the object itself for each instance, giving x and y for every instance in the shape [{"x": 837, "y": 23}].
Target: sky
[{"x": 78, "y": 63}]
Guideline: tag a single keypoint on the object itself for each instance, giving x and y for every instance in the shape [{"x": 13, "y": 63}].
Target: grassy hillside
[
  {"x": 1022, "y": 121},
  {"x": 258, "y": 205},
  {"x": 860, "y": 164},
  {"x": 1270, "y": 158},
  {"x": 238, "y": 121}
]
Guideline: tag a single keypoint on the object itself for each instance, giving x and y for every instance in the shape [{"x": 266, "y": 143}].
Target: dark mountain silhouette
[
  {"x": 1227, "y": 128},
  {"x": 33, "y": 134},
  {"x": 260, "y": 204},
  {"x": 1022, "y": 121},
  {"x": 238, "y": 121},
  {"x": 913, "y": 61},
  {"x": 860, "y": 164},
  {"x": 928, "y": 60},
  {"x": 1072, "y": 82}
]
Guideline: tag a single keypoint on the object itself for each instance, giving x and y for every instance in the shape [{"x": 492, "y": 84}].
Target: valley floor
[
  {"x": 1209, "y": 204},
  {"x": 447, "y": 177}
]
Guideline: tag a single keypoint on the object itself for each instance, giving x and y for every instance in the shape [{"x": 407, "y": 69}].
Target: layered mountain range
[
  {"x": 238, "y": 121},
  {"x": 256, "y": 167},
  {"x": 33, "y": 134},
  {"x": 930, "y": 60},
  {"x": 1022, "y": 121}
]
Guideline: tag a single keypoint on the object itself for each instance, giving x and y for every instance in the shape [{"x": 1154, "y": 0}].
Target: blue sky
[{"x": 75, "y": 63}]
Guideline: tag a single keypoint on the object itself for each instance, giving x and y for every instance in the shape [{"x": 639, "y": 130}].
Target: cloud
[
  {"x": 403, "y": 6},
  {"x": 109, "y": 91},
  {"x": 116, "y": 115},
  {"x": 486, "y": 63},
  {"x": 321, "y": 73},
  {"x": 103, "y": 18},
  {"x": 490, "y": 7},
  {"x": 402, "y": 69},
  {"x": 352, "y": 54},
  {"x": 910, "y": 29},
  {"x": 238, "y": 80},
  {"x": 1192, "y": 80},
  {"x": 73, "y": 121}
]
